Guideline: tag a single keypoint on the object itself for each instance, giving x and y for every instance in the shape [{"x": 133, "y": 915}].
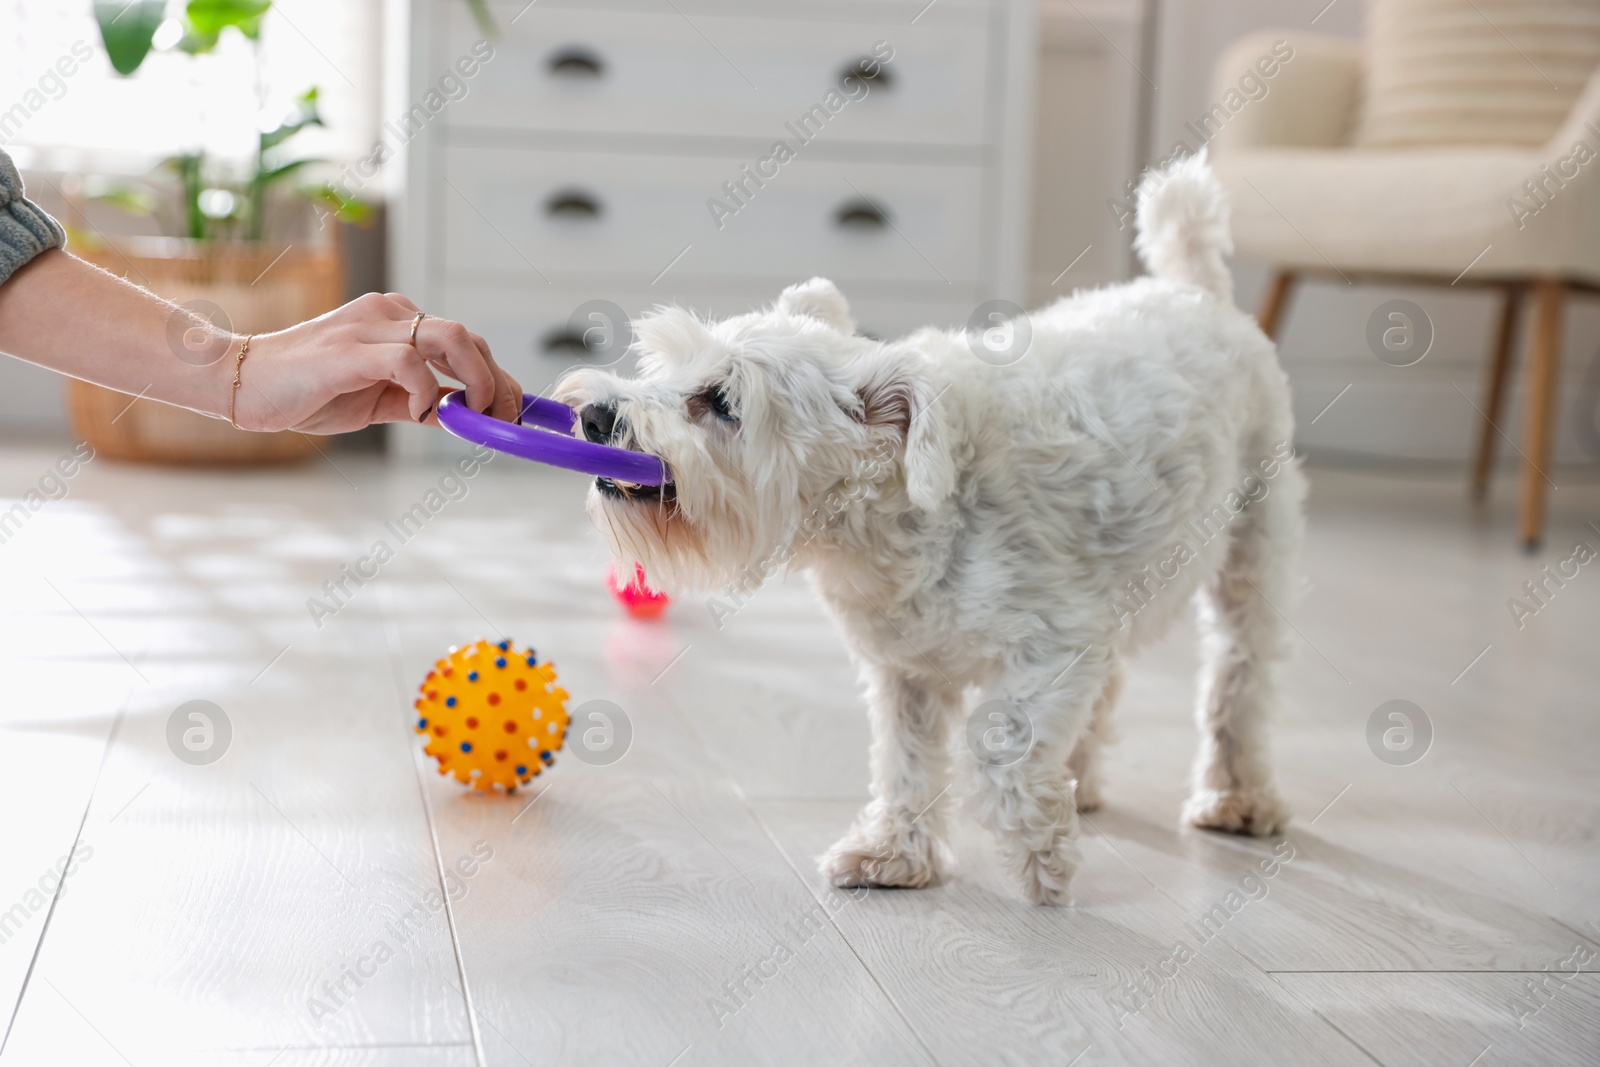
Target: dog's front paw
[
  {"x": 1046, "y": 875},
  {"x": 1257, "y": 812},
  {"x": 909, "y": 857}
]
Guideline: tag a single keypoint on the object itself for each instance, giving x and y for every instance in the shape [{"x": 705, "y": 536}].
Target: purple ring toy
[{"x": 545, "y": 436}]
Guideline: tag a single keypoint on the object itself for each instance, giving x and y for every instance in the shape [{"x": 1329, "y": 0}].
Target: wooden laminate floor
[{"x": 282, "y": 904}]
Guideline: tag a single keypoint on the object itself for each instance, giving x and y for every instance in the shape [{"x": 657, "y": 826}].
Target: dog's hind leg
[
  {"x": 1022, "y": 784},
  {"x": 1244, "y": 641},
  {"x": 896, "y": 838},
  {"x": 1084, "y": 763}
]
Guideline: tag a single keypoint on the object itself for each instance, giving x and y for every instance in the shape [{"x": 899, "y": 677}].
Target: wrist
[
  {"x": 233, "y": 380},
  {"x": 217, "y": 377},
  {"x": 242, "y": 397},
  {"x": 205, "y": 384}
]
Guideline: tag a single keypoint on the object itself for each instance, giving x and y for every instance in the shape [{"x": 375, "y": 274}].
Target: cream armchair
[{"x": 1311, "y": 202}]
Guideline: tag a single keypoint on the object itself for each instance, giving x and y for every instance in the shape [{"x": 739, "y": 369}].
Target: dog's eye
[{"x": 714, "y": 400}]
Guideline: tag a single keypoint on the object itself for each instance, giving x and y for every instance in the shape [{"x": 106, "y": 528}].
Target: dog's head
[{"x": 771, "y": 423}]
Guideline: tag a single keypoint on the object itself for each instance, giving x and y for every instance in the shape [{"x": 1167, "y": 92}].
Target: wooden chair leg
[
  {"x": 1495, "y": 391},
  {"x": 1544, "y": 370},
  {"x": 1276, "y": 302}
]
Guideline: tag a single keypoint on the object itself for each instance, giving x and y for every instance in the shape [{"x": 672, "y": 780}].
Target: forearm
[
  {"x": 371, "y": 360},
  {"x": 70, "y": 316}
]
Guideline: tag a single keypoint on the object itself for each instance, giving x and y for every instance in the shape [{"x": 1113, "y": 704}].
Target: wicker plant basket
[{"x": 259, "y": 290}]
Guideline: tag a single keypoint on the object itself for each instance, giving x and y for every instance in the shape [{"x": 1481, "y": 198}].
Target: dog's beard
[
  {"x": 712, "y": 530},
  {"x": 683, "y": 554},
  {"x": 653, "y": 531}
]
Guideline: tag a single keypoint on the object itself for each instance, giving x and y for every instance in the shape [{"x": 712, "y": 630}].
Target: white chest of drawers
[{"x": 627, "y": 151}]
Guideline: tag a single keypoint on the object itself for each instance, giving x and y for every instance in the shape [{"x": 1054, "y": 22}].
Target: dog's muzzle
[{"x": 601, "y": 424}]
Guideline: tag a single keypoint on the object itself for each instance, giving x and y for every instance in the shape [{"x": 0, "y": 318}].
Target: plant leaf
[
  {"x": 305, "y": 114},
  {"x": 195, "y": 43},
  {"x": 189, "y": 168},
  {"x": 345, "y": 209},
  {"x": 484, "y": 18},
  {"x": 128, "y": 199},
  {"x": 209, "y": 17},
  {"x": 267, "y": 177},
  {"x": 127, "y": 30}
]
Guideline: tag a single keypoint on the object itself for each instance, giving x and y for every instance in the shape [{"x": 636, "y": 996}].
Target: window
[{"x": 93, "y": 119}]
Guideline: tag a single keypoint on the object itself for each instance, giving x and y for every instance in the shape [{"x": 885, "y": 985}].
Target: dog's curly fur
[{"x": 1035, "y": 523}]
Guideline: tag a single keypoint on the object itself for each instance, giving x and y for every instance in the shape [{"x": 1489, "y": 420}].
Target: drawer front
[
  {"x": 583, "y": 215},
  {"x": 536, "y": 332},
  {"x": 662, "y": 73}
]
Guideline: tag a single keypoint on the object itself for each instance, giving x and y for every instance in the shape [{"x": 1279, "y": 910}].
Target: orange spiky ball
[{"x": 493, "y": 716}]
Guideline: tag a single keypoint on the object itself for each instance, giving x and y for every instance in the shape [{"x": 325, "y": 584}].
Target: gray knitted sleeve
[{"x": 25, "y": 230}]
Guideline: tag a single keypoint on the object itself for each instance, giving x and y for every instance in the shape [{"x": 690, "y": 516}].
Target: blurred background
[{"x": 543, "y": 170}]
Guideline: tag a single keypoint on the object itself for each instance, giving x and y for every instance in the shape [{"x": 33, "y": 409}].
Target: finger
[
  {"x": 402, "y": 365},
  {"x": 404, "y": 301},
  {"x": 440, "y": 340},
  {"x": 508, "y": 393},
  {"x": 507, "y": 404},
  {"x": 513, "y": 394},
  {"x": 394, "y": 405}
]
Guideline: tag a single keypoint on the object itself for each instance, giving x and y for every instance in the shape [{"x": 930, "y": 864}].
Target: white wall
[
  {"x": 32, "y": 401},
  {"x": 1086, "y": 120}
]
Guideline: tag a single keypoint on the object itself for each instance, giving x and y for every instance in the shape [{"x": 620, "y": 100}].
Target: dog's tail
[{"x": 1182, "y": 226}]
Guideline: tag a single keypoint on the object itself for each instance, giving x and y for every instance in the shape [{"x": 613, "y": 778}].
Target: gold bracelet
[{"x": 233, "y": 396}]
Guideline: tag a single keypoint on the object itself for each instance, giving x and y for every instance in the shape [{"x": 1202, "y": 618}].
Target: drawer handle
[
  {"x": 572, "y": 204},
  {"x": 869, "y": 70},
  {"x": 860, "y": 215},
  {"x": 576, "y": 62},
  {"x": 565, "y": 343}
]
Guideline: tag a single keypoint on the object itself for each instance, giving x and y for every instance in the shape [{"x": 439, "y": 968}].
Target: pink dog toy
[{"x": 638, "y": 598}]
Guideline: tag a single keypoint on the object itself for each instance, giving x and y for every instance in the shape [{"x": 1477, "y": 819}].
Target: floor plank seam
[
  {"x": 391, "y": 634},
  {"x": 772, "y": 840},
  {"x": 280, "y": 1049},
  {"x": 88, "y": 805},
  {"x": 1330, "y": 1024},
  {"x": 1428, "y": 971},
  {"x": 1249, "y": 963}
]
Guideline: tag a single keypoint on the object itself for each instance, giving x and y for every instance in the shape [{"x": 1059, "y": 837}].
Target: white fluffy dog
[{"x": 1007, "y": 533}]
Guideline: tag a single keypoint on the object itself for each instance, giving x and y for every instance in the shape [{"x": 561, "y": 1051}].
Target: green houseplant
[
  {"x": 214, "y": 207},
  {"x": 224, "y": 255}
]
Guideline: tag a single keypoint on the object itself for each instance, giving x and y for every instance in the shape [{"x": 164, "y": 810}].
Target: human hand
[{"x": 356, "y": 366}]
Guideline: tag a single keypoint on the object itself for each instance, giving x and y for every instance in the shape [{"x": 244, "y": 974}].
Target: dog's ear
[
  {"x": 908, "y": 404},
  {"x": 819, "y": 299},
  {"x": 673, "y": 332}
]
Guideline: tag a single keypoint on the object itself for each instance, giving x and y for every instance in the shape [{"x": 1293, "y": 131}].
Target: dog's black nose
[{"x": 599, "y": 421}]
